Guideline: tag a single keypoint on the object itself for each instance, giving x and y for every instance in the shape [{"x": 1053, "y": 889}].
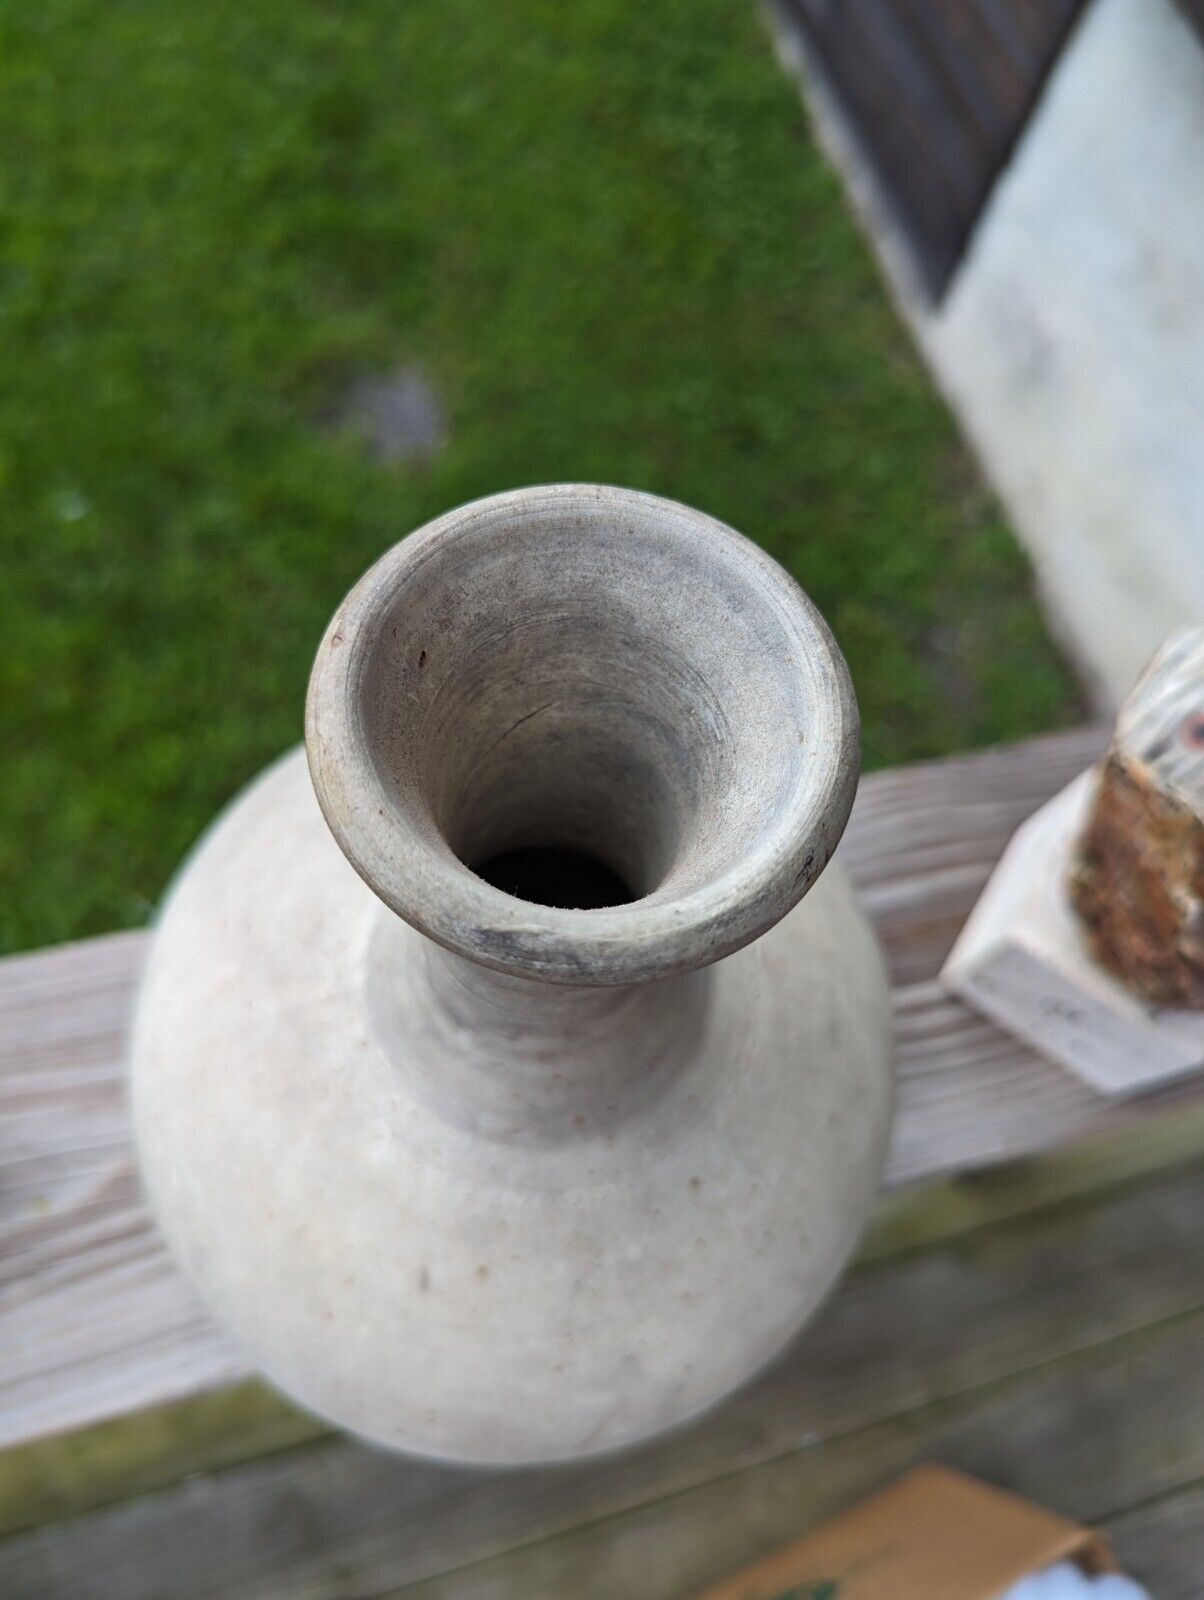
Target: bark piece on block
[{"x": 1138, "y": 875}]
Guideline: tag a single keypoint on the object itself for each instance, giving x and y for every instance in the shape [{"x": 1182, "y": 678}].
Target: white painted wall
[{"x": 1071, "y": 341}]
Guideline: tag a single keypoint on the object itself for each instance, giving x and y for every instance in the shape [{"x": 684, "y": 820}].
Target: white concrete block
[{"x": 1023, "y": 960}]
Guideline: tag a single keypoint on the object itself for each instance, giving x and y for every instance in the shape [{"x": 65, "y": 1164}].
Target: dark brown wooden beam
[{"x": 937, "y": 93}]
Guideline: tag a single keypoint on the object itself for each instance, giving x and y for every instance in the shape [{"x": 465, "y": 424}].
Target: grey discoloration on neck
[{"x": 513, "y": 1059}]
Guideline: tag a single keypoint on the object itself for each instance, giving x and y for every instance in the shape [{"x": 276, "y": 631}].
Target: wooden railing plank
[
  {"x": 1163, "y": 1543},
  {"x": 1082, "y": 1435},
  {"x": 95, "y": 1323},
  {"x": 1058, "y": 1356}
]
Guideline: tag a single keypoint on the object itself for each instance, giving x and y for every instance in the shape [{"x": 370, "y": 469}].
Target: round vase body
[{"x": 491, "y": 1192}]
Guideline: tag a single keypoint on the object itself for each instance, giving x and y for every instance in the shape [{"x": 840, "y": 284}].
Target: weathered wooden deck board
[
  {"x": 937, "y": 93},
  {"x": 94, "y": 1321},
  {"x": 1058, "y": 1355},
  {"x": 1163, "y": 1542},
  {"x": 65, "y": 1475},
  {"x": 1063, "y": 1434}
]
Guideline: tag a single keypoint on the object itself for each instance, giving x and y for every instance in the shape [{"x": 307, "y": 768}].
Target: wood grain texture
[
  {"x": 937, "y": 93},
  {"x": 1055, "y": 1356},
  {"x": 1062, "y": 1435},
  {"x": 1163, "y": 1542},
  {"x": 96, "y": 1324}
]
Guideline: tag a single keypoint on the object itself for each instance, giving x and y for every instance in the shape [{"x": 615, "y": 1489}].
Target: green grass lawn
[{"x": 604, "y": 234}]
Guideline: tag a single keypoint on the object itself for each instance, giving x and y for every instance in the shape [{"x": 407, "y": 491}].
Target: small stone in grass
[{"x": 398, "y": 414}]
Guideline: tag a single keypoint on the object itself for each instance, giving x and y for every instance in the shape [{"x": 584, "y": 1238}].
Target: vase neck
[{"x": 516, "y": 1059}]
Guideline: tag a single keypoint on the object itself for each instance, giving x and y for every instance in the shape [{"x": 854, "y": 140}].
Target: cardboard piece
[{"x": 933, "y": 1535}]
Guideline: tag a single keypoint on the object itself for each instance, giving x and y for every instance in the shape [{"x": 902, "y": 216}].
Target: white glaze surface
[
  {"x": 511, "y": 1181},
  {"x": 485, "y": 1293}
]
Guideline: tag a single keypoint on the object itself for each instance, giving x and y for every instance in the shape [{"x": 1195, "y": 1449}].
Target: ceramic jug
[{"x": 509, "y": 1074}]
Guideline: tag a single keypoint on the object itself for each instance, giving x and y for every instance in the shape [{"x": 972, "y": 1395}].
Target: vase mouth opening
[
  {"x": 583, "y": 735},
  {"x": 555, "y": 875}
]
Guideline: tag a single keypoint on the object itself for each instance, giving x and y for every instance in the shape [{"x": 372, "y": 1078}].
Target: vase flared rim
[{"x": 793, "y": 674}]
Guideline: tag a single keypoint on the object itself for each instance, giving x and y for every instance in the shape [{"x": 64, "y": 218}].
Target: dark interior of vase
[
  {"x": 572, "y": 776},
  {"x": 548, "y": 876}
]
